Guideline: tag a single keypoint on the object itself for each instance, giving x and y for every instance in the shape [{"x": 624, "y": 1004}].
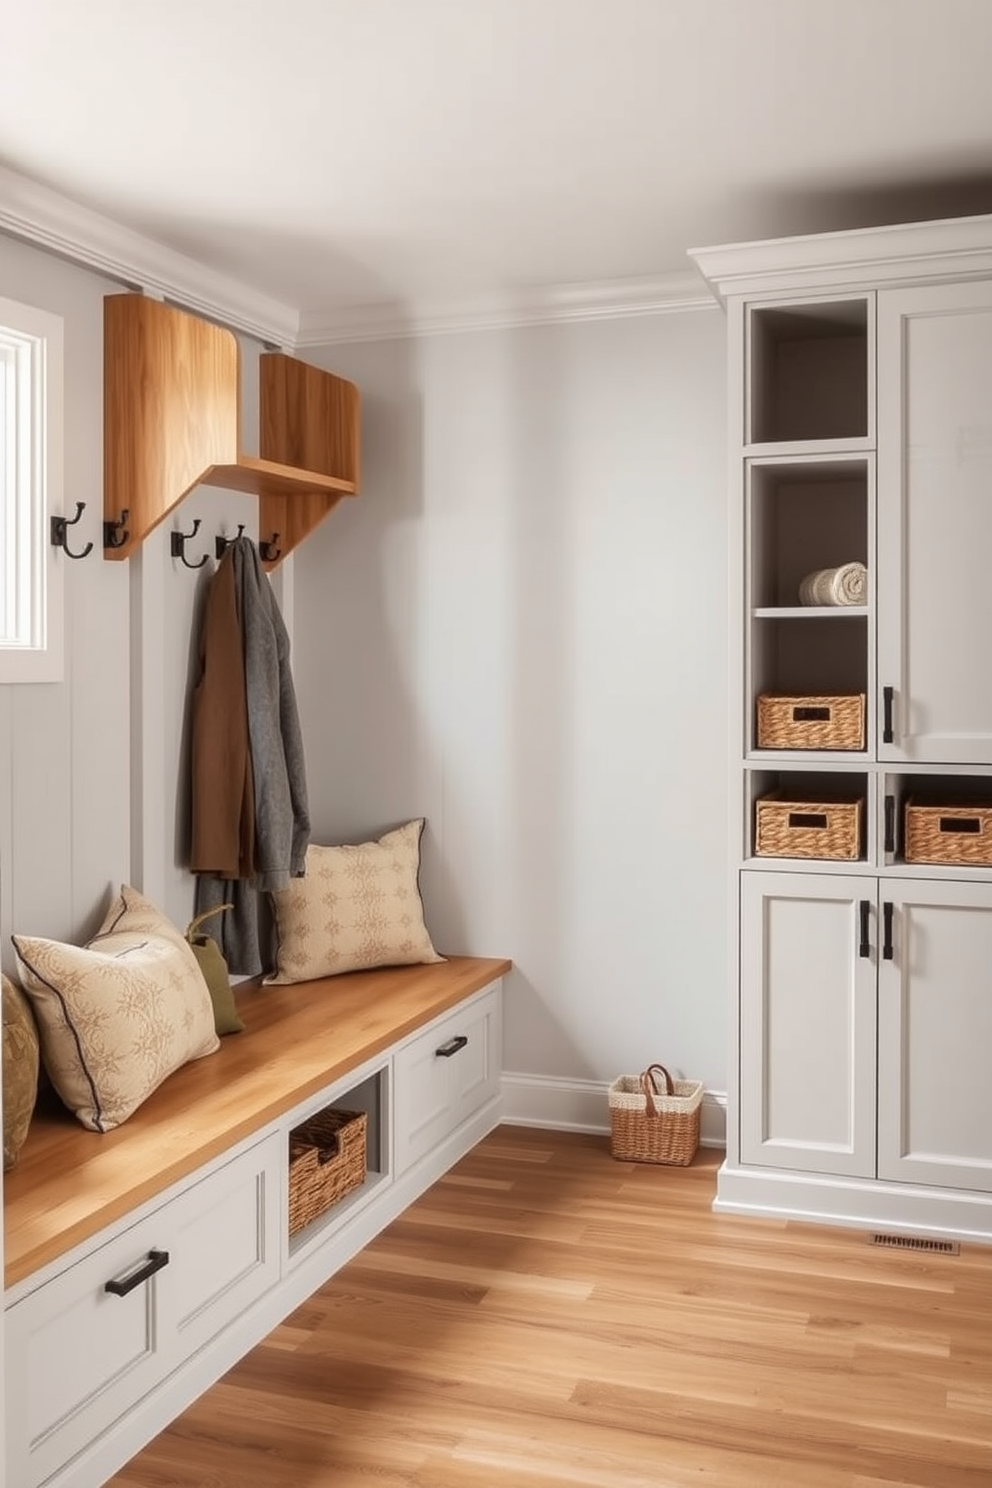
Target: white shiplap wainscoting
[{"x": 583, "y": 1105}]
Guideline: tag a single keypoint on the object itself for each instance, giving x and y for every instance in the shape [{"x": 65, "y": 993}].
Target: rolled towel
[{"x": 844, "y": 585}]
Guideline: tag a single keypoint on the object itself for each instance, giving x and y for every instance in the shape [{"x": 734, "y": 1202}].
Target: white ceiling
[{"x": 402, "y": 154}]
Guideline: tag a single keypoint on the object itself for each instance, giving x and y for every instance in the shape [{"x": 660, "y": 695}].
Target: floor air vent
[{"x": 914, "y": 1242}]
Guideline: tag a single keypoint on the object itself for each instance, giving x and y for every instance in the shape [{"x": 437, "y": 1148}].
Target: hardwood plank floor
[{"x": 545, "y": 1316}]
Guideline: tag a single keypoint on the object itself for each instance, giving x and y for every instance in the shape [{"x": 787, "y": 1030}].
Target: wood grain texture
[
  {"x": 545, "y": 1317},
  {"x": 297, "y": 1040},
  {"x": 172, "y": 422},
  {"x": 171, "y": 405},
  {"x": 308, "y": 419}
]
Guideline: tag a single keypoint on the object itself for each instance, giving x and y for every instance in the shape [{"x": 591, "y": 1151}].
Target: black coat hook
[
  {"x": 115, "y": 534},
  {"x": 268, "y": 550},
  {"x": 220, "y": 543},
  {"x": 178, "y": 545},
  {"x": 60, "y": 528}
]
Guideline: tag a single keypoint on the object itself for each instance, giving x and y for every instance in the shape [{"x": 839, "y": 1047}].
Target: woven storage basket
[
  {"x": 820, "y": 722},
  {"x": 326, "y": 1161},
  {"x": 651, "y": 1126},
  {"x": 948, "y": 834},
  {"x": 807, "y": 829}
]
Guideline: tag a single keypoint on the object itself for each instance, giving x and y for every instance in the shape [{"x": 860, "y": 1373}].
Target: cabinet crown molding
[{"x": 862, "y": 258}]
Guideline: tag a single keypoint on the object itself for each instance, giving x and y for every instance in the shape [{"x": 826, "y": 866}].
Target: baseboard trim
[{"x": 583, "y": 1105}]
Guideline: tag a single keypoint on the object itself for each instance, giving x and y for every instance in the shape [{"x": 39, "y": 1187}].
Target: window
[{"x": 31, "y": 629}]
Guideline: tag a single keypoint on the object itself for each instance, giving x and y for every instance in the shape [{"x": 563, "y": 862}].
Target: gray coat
[{"x": 282, "y": 819}]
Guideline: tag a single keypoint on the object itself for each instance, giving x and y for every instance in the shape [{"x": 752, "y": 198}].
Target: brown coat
[{"x": 222, "y": 790}]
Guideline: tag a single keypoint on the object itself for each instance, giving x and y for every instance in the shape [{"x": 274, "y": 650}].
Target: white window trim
[{"x": 32, "y": 635}]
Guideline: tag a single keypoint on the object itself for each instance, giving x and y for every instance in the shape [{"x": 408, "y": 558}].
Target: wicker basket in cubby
[
  {"x": 787, "y": 828},
  {"x": 960, "y": 834},
  {"x": 326, "y": 1161},
  {"x": 821, "y": 721}
]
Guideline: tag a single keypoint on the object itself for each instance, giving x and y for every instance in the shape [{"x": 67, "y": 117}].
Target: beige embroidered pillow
[
  {"x": 355, "y": 908},
  {"x": 118, "y": 1015}
]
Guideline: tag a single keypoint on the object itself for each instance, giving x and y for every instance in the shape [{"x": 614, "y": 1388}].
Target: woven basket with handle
[
  {"x": 327, "y": 1160},
  {"x": 651, "y": 1125}
]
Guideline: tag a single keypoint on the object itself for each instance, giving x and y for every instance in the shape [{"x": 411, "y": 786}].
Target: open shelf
[
  {"x": 809, "y": 371},
  {"x": 957, "y": 793},
  {"x": 809, "y": 796},
  {"x": 172, "y": 422},
  {"x": 805, "y": 656},
  {"x": 802, "y": 516}
]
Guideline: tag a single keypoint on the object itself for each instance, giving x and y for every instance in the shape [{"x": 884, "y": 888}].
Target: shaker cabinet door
[
  {"x": 808, "y": 1022},
  {"x": 935, "y": 1034},
  {"x": 935, "y": 523}
]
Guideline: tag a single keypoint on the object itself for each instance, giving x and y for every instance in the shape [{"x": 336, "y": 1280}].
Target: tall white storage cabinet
[{"x": 861, "y": 433}]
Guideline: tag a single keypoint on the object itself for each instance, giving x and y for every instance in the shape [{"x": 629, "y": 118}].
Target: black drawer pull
[
  {"x": 960, "y": 824},
  {"x": 452, "y": 1046},
  {"x": 888, "y": 697},
  {"x": 156, "y": 1260},
  {"x": 887, "y": 948},
  {"x": 865, "y": 947},
  {"x": 807, "y": 818},
  {"x": 890, "y": 824},
  {"x": 810, "y": 715}
]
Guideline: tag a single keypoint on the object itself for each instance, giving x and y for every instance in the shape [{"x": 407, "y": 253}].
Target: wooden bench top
[{"x": 69, "y": 1183}]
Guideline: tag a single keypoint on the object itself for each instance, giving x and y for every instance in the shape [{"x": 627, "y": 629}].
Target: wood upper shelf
[{"x": 172, "y": 398}]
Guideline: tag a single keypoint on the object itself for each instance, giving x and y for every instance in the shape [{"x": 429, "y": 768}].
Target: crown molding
[
  {"x": 550, "y": 305},
  {"x": 871, "y": 257},
  {"x": 39, "y": 216}
]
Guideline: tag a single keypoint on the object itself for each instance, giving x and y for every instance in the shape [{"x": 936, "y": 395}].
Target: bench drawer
[
  {"x": 78, "y": 1355},
  {"x": 92, "y": 1341},
  {"x": 446, "y": 1074}
]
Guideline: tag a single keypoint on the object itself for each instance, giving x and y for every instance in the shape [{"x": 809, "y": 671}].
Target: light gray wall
[
  {"x": 519, "y": 632},
  {"x": 91, "y": 781}
]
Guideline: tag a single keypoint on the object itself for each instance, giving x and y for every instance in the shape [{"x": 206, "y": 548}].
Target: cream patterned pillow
[
  {"x": 355, "y": 908},
  {"x": 118, "y": 1015}
]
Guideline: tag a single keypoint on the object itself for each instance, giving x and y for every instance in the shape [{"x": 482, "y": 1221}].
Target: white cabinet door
[
  {"x": 935, "y": 1035},
  {"x": 226, "y": 1245},
  {"x": 935, "y": 523},
  {"x": 808, "y": 1022}
]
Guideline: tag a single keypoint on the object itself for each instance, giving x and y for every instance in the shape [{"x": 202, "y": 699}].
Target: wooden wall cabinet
[{"x": 172, "y": 422}]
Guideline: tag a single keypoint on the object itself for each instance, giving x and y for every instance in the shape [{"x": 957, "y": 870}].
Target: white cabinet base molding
[{"x": 897, "y": 1207}]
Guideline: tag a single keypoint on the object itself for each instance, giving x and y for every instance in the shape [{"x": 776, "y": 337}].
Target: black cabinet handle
[
  {"x": 865, "y": 947},
  {"x": 156, "y": 1260},
  {"x": 451, "y": 1047},
  {"x": 890, "y": 824},
  {"x": 887, "y": 951},
  {"x": 888, "y": 697}
]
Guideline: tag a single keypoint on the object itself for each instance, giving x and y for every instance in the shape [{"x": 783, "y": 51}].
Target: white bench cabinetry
[{"x": 110, "y": 1339}]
